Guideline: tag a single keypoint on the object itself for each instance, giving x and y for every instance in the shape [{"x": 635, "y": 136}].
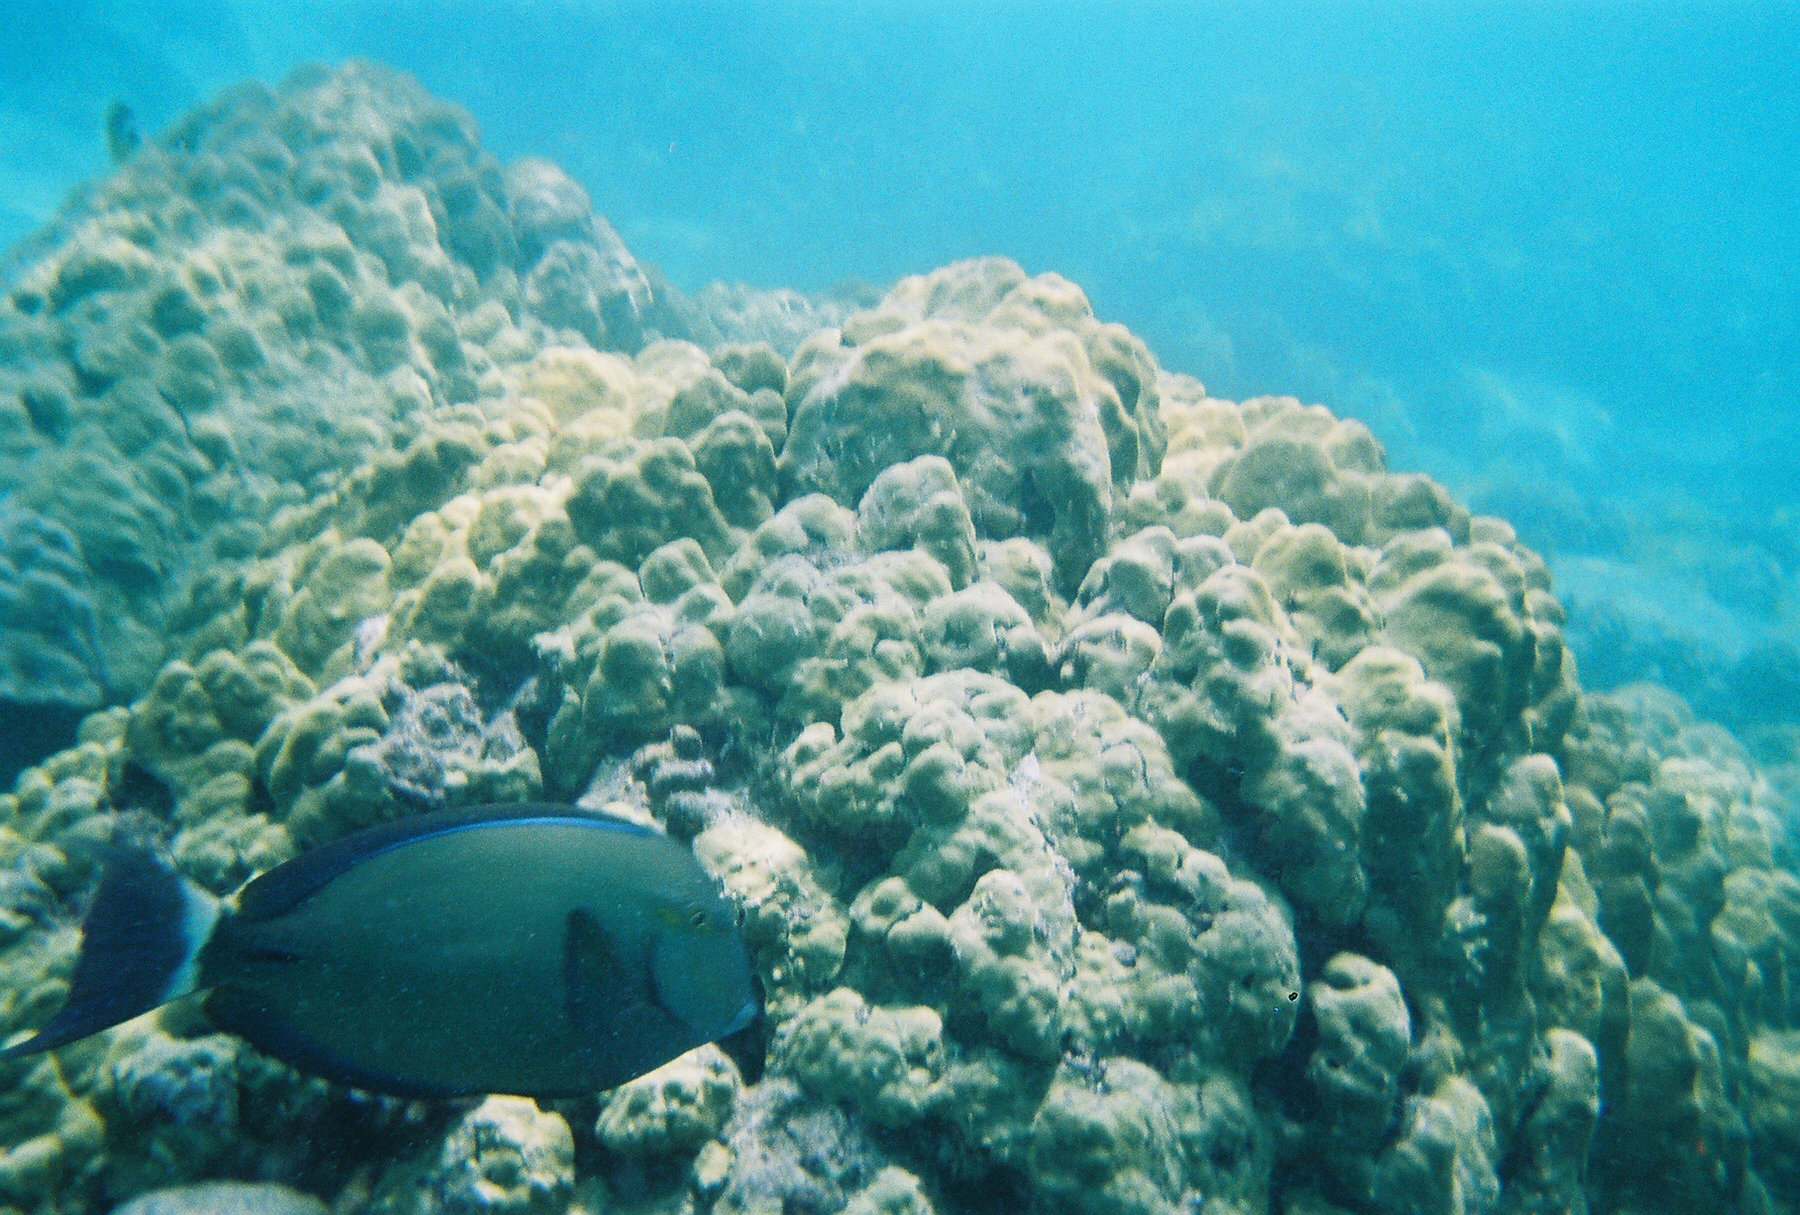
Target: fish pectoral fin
[{"x": 592, "y": 968}]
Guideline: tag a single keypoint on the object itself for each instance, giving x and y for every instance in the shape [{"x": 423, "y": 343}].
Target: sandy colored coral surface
[{"x": 1136, "y": 801}]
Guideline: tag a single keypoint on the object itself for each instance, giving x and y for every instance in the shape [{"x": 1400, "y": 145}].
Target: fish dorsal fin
[{"x": 278, "y": 891}]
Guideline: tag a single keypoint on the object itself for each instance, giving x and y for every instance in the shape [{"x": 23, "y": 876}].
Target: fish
[
  {"x": 529, "y": 950},
  {"x": 122, "y": 138}
]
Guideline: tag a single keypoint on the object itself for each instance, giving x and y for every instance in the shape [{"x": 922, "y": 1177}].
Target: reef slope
[{"x": 1137, "y": 801}]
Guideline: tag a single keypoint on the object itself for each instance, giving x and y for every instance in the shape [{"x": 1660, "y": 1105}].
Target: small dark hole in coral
[
  {"x": 138, "y": 788},
  {"x": 1036, "y": 506},
  {"x": 999, "y": 1189},
  {"x": 259, "y": 801}
]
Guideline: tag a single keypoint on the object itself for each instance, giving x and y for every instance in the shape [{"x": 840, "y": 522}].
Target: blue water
[{"x": 1548, "y": 252}]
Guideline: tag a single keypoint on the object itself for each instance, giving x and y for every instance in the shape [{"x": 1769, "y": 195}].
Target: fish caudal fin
[{"x": 140, "y": 948}]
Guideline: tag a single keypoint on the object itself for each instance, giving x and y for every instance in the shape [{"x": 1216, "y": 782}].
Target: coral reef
[
  {"x": 224, "y": 1198},
  {"x": 1135, "y": 801},
  {"x": 52, "y": 667},
  {"x": 49, "y": 644},
  {"x": 280, "y": 287}
]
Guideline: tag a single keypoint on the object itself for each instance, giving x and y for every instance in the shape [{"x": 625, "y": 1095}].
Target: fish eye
[{"x": 697, "y": 917}]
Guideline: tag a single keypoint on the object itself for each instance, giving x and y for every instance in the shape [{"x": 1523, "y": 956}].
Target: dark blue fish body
[{"x": 530, "y": 950}]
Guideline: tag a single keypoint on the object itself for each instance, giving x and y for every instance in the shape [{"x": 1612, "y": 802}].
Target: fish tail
[{"x": 140, "y": 948}]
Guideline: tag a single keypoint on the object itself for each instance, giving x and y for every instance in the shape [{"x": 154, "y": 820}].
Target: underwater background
[{"x": 959, "y": 467}]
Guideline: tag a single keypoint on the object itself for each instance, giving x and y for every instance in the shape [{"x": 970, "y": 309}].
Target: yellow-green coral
[
  {"x": 676, "y": 1108},
  {"x": 1136, "y": 800}
]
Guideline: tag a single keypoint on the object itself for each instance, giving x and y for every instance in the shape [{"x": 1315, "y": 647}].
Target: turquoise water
[
  {"x": 1133, "y": 796},
  {"x": 1547, "y": 252}
]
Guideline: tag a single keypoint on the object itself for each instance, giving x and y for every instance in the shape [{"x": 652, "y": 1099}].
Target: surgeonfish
[
  {"x": 122, "y": 138},
  {"x": 531, "y": 950}
]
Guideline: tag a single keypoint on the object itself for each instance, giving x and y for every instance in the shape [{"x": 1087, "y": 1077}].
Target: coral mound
[
  {"x": 281, "y": 287},
  {"x": 1136, "y": 801}
]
